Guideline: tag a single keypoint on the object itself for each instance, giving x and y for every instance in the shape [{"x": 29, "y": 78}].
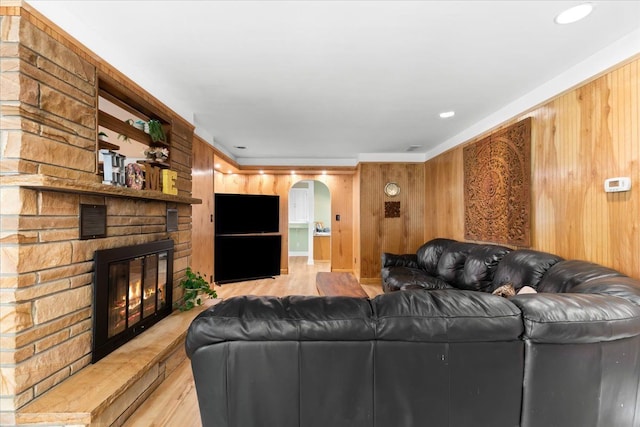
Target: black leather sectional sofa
[{"x": 443, "y": 352}]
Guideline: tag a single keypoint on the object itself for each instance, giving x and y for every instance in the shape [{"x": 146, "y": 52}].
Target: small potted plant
[
  {"x": 103, "y": 136},
  {"x": 156, "y": 132},
  {"x": 194, "y": 286}
]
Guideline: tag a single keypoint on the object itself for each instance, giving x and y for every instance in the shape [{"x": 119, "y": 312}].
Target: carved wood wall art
[
  {"x": 497, "y": 187},
  {"x": 392, "y": 209}
]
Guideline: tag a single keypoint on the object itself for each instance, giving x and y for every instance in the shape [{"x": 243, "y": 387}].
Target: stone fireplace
[
  {"x": 132, "y": 292},
  {"x": 48, "y": 170}
]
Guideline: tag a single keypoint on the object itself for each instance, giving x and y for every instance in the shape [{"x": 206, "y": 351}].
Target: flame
[{"x": 134, "y": 295}]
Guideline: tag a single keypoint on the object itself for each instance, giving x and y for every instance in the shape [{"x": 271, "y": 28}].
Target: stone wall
[{"x": 48, "y": 106}]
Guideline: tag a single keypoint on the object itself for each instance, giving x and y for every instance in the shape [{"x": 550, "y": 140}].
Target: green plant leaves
[
  {"x": 156, "y": 132},
  {"x": 194, "y": 285}
]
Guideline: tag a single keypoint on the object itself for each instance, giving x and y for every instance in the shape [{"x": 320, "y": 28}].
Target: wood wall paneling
[
  {"x": 378, "y": 234},
  {"x": 579, "y": 139},
  {"x": 341, "y": 188},
  {"x": 357, "y": 254},
  {"x": 203, "y": 228},
  {"x": 444, "y": 198}
]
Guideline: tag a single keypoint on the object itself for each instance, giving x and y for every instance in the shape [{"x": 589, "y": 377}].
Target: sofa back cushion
[
  {"x": 565, "y": 275},
  {"x": 446, "y": 316},
  {"x": 572, "y": 318},
  {"x": 451, "y": 264},
  {"x": 480, "y": 267},
  {"x": 523, "y": 267},
  {"x": 290, "y": 318},
  {"x": 429, "y": 254}
]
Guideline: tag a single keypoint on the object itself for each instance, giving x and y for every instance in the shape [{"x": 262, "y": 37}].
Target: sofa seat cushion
[
  {"x": 577, "y": 318},
  {"x": 446, "y": 316},
  {"x": 291, "y": 318},
  {"x": 403, "y": 278}
]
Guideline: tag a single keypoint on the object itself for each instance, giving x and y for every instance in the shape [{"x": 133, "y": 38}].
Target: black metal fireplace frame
[{"x": 102, "y": 343}]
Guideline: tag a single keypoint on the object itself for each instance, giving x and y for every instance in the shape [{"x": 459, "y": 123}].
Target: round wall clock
[{"x": 391, "y": 189}]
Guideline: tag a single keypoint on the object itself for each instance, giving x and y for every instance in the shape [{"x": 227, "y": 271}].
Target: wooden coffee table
[{"x": 341, "y": 284}]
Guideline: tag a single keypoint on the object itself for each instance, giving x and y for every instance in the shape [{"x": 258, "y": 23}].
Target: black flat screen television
[
  {"x": 246, "y": 257},
  {"x": 246, "y": 213}
]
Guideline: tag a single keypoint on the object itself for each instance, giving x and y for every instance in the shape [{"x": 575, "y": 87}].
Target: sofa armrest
[
  {"x": 404, "y": 260},
  {"x": 577, "y": 318},
  {"x": 617, "y": 286}
]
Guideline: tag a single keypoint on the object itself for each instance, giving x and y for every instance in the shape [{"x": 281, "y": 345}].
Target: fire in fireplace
[{"x": 132, "y": 291}]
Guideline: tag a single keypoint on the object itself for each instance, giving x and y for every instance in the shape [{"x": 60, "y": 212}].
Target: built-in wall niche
[
  {"x": 130, "y": 144},
  {"x": 125, "y": 126}
]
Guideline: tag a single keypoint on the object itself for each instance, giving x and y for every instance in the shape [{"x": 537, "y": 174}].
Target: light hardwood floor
[{"x": 174, "y": 402}]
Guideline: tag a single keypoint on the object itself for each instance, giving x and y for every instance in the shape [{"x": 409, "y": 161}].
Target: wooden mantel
[{"x": 45, "y": 182}]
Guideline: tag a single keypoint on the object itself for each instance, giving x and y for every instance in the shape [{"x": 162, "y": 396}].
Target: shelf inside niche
[
  {"x": 104, "y": 145},
  {"x": 161, "y": 165},
  {"x": 123, "y": 128}
]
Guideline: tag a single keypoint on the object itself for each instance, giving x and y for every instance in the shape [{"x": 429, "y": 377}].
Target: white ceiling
[{"x": 334, "y": 82}]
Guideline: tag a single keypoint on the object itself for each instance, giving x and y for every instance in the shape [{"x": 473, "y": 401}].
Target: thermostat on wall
[{"x": 614, "y": 185}]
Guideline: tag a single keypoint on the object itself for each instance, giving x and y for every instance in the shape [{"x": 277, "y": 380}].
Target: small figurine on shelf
[
  {"x": 157, "y": 154},
  {"x": 134, "y": 176}
]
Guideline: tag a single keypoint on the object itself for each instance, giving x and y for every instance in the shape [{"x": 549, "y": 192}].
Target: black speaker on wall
[
  {"x": 93, "y": 221},
  {"x": 172, "y": 219}
]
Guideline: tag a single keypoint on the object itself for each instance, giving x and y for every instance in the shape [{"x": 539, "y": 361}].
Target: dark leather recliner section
[
  {"x": 396, "y": 360},
  {"x": 447, "y": 353},
  {"x": 582, "y": 360}
]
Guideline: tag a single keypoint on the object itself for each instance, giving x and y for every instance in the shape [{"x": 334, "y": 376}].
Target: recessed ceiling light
[
  {"x": 574, "y": 14},
  {"x": 217, "y": 166},
  {"x": 447, "y": 114},
  {"x": 261, "y": 172}
]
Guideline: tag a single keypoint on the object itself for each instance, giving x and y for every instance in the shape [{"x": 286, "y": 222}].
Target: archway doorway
[{"x": 310, "y": 221}]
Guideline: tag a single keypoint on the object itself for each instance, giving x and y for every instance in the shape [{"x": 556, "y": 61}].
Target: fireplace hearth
[{"x": 132, "y": 291}]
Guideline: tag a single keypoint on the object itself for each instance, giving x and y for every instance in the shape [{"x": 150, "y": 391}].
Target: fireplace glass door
[{"x": 132, "y": 291}]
